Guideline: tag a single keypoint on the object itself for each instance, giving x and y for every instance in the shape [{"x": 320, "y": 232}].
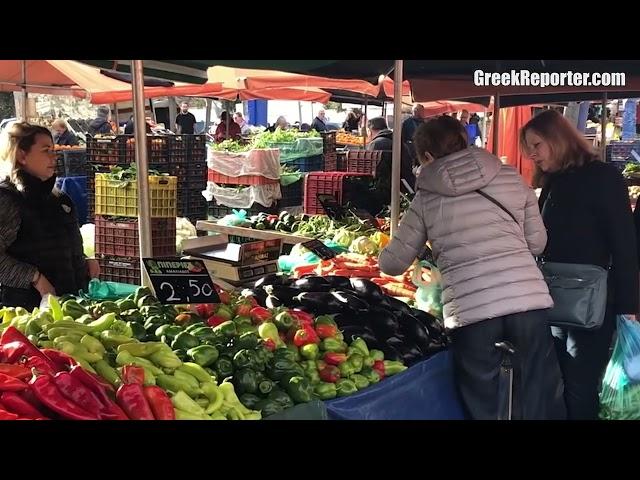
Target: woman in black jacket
[
  {"x": 40, "y": 243},
  {"x": 586, "y": 210}
]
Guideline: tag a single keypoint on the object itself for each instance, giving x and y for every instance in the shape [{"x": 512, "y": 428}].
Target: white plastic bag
[
  {"x": 245, "y": 197},
  {"x": 263, "y": 162}
]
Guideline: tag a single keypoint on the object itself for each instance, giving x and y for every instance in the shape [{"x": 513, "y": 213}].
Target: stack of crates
[
  {"x": 187, "y": 160},
  {"x": 325, "y": 183},
  {"x": 219, "y": 209},
  {"x": 618, "y": 151},
  {"x": 117, "y": 242}
]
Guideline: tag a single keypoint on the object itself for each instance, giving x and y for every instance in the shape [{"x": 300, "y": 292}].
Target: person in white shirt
[{"x": 242, "y": 123}]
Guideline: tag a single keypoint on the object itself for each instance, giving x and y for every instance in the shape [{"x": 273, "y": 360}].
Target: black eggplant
[
  {"x": 312, "y": 284},
  {"x": 340, "y": 283},
  {"x": 350, "y": 320},
  {"x": 284, "y": 294},
  {"x": 397, "y": 341},
  {"x": 320, "y": 303},
  {"x": 367, "y": 290},
  {"x": 383, "y": 323},
  {"x": 353, "y": 331},
  {"x": 410, "y": 354},
  {"x": 398, "y": 305},
  {"x": 390, "y": 353},
  {"x": 353, "y": 303},
  {"x": 258, "y": 293},
  {"x": 272, "y": 279},
  {"x": 411, "y": 327},
  {"x": 273, "y": 302},
  {"x": 428, "y": 320}
]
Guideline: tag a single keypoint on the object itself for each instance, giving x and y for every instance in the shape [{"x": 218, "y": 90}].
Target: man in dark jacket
[
  {"x": 382, "y": 140},
  {"x": 318, "y": 123},
  {"x": 410, "y": 125},
  {"x": 100, "y": 124}
]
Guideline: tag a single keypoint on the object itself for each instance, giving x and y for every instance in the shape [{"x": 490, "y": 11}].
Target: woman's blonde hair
[
  {"x": 20, "y": 136},
  {"x": 567, "y": 145},
  {"x": 60, "y": 122}
]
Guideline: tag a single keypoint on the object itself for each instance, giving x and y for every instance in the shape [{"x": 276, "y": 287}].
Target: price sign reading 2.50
[{"x": 178, "y": 281}]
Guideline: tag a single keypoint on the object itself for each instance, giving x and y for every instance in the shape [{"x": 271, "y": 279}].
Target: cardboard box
[{"x": 218, "y": 249}]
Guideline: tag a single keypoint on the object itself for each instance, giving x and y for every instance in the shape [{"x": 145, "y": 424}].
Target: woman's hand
[
  {"x": 94, "y": 268},
  {"x": 43, "y": 286}
]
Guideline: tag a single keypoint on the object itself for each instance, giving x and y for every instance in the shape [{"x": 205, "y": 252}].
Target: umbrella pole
[
  {"x": 603, "y": 127},
  {"x": 115, "y": 113},
  {"x": 364, "y": 130},
  {"x": 142, "y": 167},
  {"x": 25, "y": 117},
  {"x": 397, "y": 146},
  {"x": 207, "y": 120},
  {"x": 495, "y": 123}
]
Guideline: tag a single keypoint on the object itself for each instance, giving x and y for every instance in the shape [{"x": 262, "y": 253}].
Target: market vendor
[
  {"x": 63, "y": 136},
  {"x": 41, "y": 248},
  {"x": 234, "y": 132}
]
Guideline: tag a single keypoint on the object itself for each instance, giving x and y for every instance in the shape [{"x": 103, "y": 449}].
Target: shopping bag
[
  {"x": 629, "y": 337},
  {"x": 429, "y": 294}
]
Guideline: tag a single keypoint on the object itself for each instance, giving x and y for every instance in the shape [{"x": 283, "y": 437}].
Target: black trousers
[
  {"x": 583, "y": 357},
  {"x": 537, "y": 393}
]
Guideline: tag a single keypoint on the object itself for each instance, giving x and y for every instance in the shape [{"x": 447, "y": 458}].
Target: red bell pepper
[
  {"x": 326, "y": 331},
  {"x": 11, "y": 384},
  {"x": 305, "y": 336},
  {"x": 131, "y": 398},
  {"x": 16, "y": 371},
  {"x": 224, "y": 297},
  {"x": 243, "y": 309},
  {"x": 133, "y": 374},
  {"x": 260, "y": 315},
  {"x": 45, "y": 389},
  {"x": 14, "y": 403},
  {"x": 4, "y": 415},
  {"x": 330, "y": 374},
  {"x": 75, "y": 391},
  {"x": 14, "y": 345},
  {"x": 203, "y": 310},
  {"x": 60, "y": 360},
  {"x": 334, "y": 358},
  {"x": 378, "y": 366},
  {"x": 270, "y": 345},
  {"x": 215, "y": 320},
  {"x": 160, "y": 403},
  {"x": 303, "y": 318}
]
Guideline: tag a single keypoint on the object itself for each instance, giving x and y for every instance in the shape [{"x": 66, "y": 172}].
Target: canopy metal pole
[
  {"x": 364, "y": 130},
  {"x": 171, "y": 102},
  {"x": 142, "y": 166},
  {"x": 207, "y": 120},
  {"x": 397, "y": 146},
  {"x": 603, "y": 127},
  {"x": 115, "y": 113},
  {"x": 25, "y": 117},
  {"x": 495, "y": 123}
]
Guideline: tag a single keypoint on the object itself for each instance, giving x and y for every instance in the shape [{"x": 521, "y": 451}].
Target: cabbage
[
  {"x": 344, "y": 237},
  {"x": 364, "y": 246}
]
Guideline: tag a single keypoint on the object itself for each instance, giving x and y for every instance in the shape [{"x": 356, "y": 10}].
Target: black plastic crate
[
  {"x": 308, "y": 164},
  {"x": 292, "y": 194},
  {"x": 75, "y": 163},
  {"x": 177, "y": 149}
]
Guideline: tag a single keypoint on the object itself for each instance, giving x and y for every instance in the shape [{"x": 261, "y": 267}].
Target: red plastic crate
[
  {"x": 119, "y": 269},
  {"x": 221, "y": 179},
  {"x": 329, "y": 183},
  {"x": 119, "y": 236},
  {"x": 362, "y": 161}
]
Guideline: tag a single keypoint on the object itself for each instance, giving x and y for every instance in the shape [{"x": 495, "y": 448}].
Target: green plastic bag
[
  {"x": 619, "y": 395},
  {"x": 99, "y": 290},
  {"x": 428, "y": 295},
  {"x": 287, "y": 179}
]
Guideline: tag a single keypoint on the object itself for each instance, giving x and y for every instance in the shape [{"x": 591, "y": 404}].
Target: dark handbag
[{"x": 579, "y": 291}]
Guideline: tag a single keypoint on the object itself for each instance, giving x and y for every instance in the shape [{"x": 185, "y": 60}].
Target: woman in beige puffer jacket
[{"x": 492, "y": 289}]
